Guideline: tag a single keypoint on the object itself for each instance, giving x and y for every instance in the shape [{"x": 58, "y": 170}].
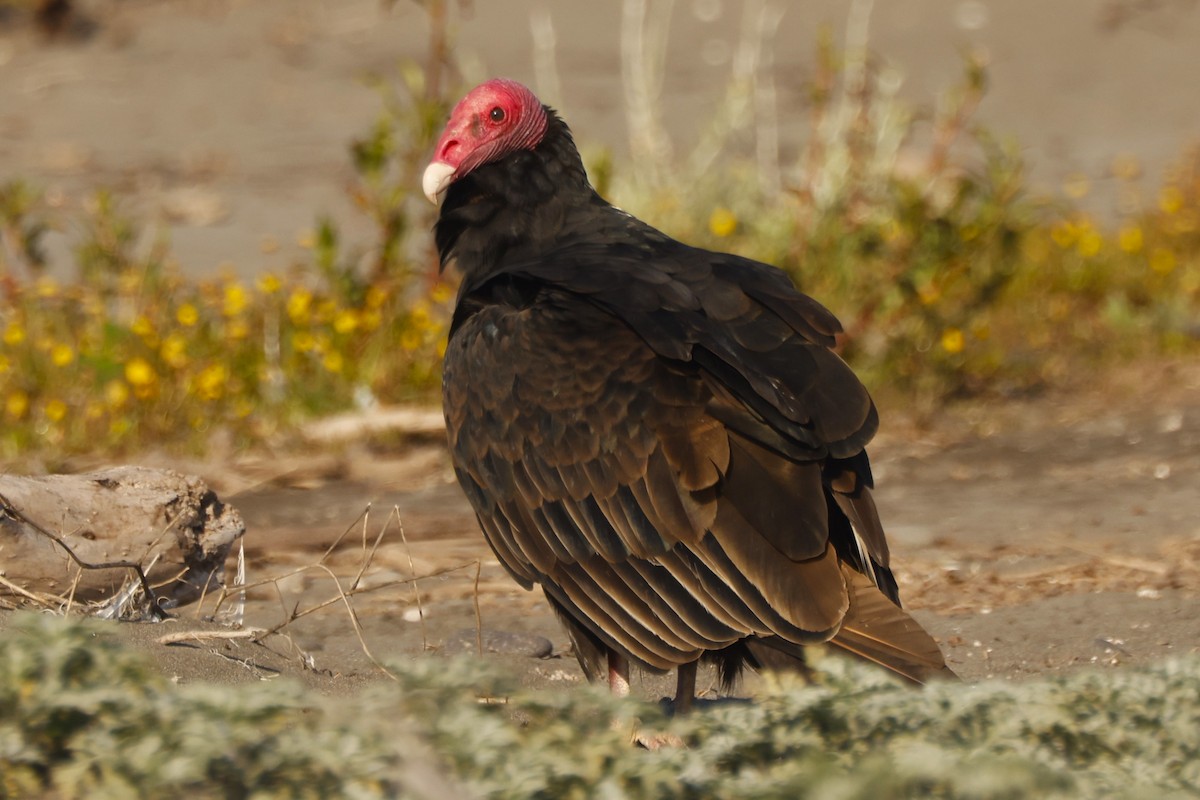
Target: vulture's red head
[{"x": 494, "y": 119}]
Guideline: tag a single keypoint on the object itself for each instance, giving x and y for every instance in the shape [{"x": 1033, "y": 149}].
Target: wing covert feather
[{"x": 607, "y": 472}]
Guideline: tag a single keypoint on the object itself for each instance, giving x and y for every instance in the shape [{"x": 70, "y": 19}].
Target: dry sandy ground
[
  {"x": 1048, "y": 535},
  {"x": 1033, "y": 538}
]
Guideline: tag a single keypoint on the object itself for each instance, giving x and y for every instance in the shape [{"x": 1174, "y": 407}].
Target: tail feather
[{"x": 879, "y": 631}]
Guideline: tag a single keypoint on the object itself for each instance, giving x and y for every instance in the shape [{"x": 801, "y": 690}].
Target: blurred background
[{"x": 209, "y": 207}]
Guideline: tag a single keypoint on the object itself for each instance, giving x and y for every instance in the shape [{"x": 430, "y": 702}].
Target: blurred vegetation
[
  {"x": 920, "y": 232},
  {"x": 81, "y": 716},
  {"x": 917, "y": 230},
  {"x": 131, "y": 353}
]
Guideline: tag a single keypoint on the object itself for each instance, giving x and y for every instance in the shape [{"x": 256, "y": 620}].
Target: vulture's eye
[{"x": 497, "y": 114}]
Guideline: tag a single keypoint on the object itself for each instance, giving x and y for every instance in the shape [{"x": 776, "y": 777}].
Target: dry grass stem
[
  {"x": 42, "y": 600},
  {"x": 187, "y": 636},
  {"x": 412, "y": 570},
  {"x": 478, "y": 612}
]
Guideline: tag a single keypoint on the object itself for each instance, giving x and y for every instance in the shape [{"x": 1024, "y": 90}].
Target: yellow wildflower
[
  {"x": 62, "y": 354},
  {"x": 1130, "y": 239},
  {"x": 421, "y": 318},
  {"x": 143, "y": 327},
  {"x": 722, "y": 222},
  {"x": 345, "y": 321},
  {"x": 1064, "y": 233},
  {"x": 298, "y": 305},
  {"x": 210, "y": 383},
  {"x": 235, "y": 299},
  {"x": 333, "y": 362},
  {"x": 1090, "y": 242},
  {"x": 116, "y": 393},
  {"x": 269, "y": 283},
  {"x": 929, "y": 294},
  {"x": 953, "y": 341},
  {"x": 174, "y": 351},
  {"x": 187, "y": 315},
  {"x": 47, "y": 287},
  {"x": 377, "y": 296},
  {"x": 17, "y": 404},
  {"x": 14, "y": 334},
  {"x": 1170, "y": 199},
  {"x": 237, "y": 329},
  {"x": 325, "y": 310},
  {"x": 1162, "y": 260},
  {"x": 410, "y": 340},
  {"x": 303, "y": 341},
  {"x": 139, "y": 373},
  {"x": 56, "y": 410}
]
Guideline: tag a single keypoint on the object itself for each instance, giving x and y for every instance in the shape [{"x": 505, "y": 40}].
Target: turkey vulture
[{"x": 658, "y": 435}]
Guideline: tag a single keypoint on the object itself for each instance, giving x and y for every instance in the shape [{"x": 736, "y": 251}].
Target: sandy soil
[
  {"x": 1048, "y": 535},
  {"x": 1030, "y": 538}
]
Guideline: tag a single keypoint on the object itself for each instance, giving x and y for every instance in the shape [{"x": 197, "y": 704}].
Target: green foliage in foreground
[{"x": 82, "y": 717}]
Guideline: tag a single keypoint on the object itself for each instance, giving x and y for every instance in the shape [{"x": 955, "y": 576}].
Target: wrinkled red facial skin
[{"x": 474, "y": 137}]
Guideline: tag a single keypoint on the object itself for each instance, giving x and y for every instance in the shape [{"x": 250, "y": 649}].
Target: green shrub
[
  {"x": 133, "y": 354},
  {"x": 82, "y": 717},
  {"x": 920, "y": 233}
]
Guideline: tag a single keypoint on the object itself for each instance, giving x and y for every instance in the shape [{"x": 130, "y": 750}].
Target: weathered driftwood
[
  {"x": 414, "y": 420},
  {"x": 172, "y": 526}
]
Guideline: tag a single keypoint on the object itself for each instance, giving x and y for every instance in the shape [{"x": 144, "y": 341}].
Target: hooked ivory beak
[{"x": 435, "y": 180}]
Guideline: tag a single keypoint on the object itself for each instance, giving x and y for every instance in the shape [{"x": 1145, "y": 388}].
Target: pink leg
[
  {"x": 685, "y": 687},
  {"x": 618, "y": 674}
]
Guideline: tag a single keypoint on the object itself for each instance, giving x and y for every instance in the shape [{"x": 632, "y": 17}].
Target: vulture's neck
[{"x": 517, "y": 208}]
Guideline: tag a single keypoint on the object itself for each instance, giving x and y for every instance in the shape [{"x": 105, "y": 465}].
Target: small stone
[{"x": 1172, "y": 422}]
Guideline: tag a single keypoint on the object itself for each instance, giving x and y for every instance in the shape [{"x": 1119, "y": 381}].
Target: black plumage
[{"x": 659, "y": 436}]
